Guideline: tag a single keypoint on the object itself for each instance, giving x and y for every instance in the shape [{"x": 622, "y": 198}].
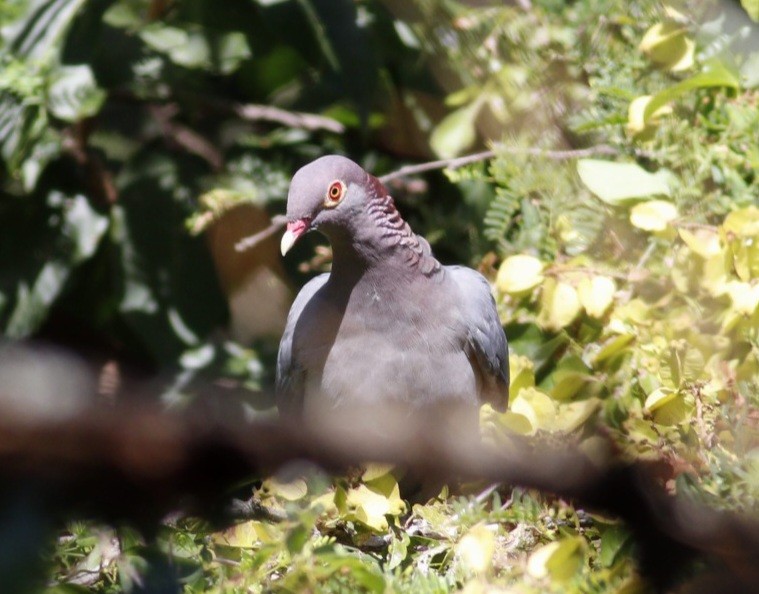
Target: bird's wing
[
  {"x": 290, "y": 374},
  {"x": 486, "y": 342}
]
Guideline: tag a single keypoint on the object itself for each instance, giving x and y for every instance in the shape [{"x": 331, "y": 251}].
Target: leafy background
[{"x": 617, "y": 217}]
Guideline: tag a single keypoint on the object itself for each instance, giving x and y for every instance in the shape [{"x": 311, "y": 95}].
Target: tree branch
[
  {"x": 246, "y": 243},
  {"x": 292, "y": 119},
  {"x": 140, "y": 464},
  {"x": 457, "y": 162}
]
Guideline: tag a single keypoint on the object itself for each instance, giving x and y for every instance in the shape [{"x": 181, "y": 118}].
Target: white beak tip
[{"x": 288, "y": 240}]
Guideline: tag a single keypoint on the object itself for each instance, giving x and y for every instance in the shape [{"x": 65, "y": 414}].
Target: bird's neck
[{"x": 379, "y": 238}]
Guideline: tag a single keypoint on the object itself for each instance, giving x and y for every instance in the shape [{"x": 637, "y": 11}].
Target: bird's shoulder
[
  {"x": 305, "y": 295},
  {"x": 486, "y": 340},
  {"x": 473, "y": 288}
]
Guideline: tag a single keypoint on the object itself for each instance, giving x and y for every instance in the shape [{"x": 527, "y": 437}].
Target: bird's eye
[{"x": 334, "y": 193}]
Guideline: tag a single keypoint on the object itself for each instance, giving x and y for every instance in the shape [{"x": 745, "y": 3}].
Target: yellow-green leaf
[
  {"x": 704, "y": 242},
  {"x": 612, "y": 346},
  {"x": 560, "y": 560},
  {"x": 668, "y": 406},
  {"x": 743, "y": 222},
  {"x": 522, "y": 374},
  {"x": 714, "y": 74},
  {"x": 653, "y": 215},
  {"x": 537, "y": 407},
  {"x": 518, "y": 274},
  {"x": 637, "y": 123},
  {"x": 291, "y": 491},
  {"x": 616, "y": 182},
  {"x": 476, "y": 549},
  {"x": 560, "y": 305},
  {"x": 456, "y": 132},
  {"x": 752, "y": 8},
  {"x": 572, "y": 415},
  {"x": 744, "y": 296},
  {"x": 374, "y": 471},
  {"x": 596, "y": 294},
  {"x": 370, "y": 508},
  {"x": 668, "y": 46}
]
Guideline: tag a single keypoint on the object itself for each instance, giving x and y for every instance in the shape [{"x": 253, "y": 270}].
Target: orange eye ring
[{"x": 335, "y": 193}]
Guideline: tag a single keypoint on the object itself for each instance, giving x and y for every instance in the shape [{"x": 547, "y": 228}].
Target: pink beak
[{"x": 294, "y": 230}]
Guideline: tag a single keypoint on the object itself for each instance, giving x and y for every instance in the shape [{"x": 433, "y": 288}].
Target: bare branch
[
  {"x": 457, "y": 162},
  {"x": 140, "y": 464},
  {"x": 246, "y": 243}
]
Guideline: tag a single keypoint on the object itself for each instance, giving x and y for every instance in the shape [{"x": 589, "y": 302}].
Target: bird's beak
[{"x": 294, "y": 230}]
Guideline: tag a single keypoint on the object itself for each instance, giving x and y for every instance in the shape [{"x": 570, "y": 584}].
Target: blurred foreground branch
[{"x": 138, "y": 464}]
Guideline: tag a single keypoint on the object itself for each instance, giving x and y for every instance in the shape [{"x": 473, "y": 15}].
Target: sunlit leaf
[
  {"x": 519, "y": 274},
  {"x": 637, "y": 124},
  {"x": 559, "y": 560},
  {"x": 704, "y": 242},
  {"x": 522, "y": 371},
  {"x": 476, "y": 549},
  {"x": 668, "y": 406},
  {"x": 668, "y": 45},
  {"x": 374, "y": 471},
  {"x": 653, "y": 215},
  {"x": 537, "y": 407},
  {"x": 744, "y": 296},
  {"x": 596, "y": 294},
  {"x": 573, "y": 415},
  {"x": 616, "y": 182},
  {"x": 560, "y": 304},
  {"x": 290, "y": 490},
  {"x": 752, "y": 8}
]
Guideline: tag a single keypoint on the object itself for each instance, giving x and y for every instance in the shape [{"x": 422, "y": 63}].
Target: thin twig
[
  {"x": 440, "y": 164},
  {"x": 559, "y": 269},
  {"x": 457, "y": 162},
  {"x": 246, "y": 243}
]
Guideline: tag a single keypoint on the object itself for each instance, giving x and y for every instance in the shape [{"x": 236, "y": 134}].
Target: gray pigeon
[{"x": 389, "y": 324}]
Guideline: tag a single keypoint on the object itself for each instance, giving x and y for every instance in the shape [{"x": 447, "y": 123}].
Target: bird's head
[{"x": 326, "y": 193}]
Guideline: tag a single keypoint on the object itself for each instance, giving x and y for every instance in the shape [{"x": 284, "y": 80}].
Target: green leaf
[
  {"x": 715, "y": 75},
  {"x": 41, "y": 30},
  {"x": 667, "y": 45},
  {"x": 559, "y": 560},
  {"x": 73, "y": 93},
  {"x": 32, "y": 304},
  {"x": 616, "y": 182},
  {"x": 456, "y": 132},
  {"x": 83, "y": 225},
  {"x": 231, "y": 50},
  {"x": 613, "y": 541},
  {"x": 752, "y": 8}
]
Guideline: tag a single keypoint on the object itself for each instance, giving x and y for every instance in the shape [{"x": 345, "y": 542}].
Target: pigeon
[{"x": 388, "y": 325}]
